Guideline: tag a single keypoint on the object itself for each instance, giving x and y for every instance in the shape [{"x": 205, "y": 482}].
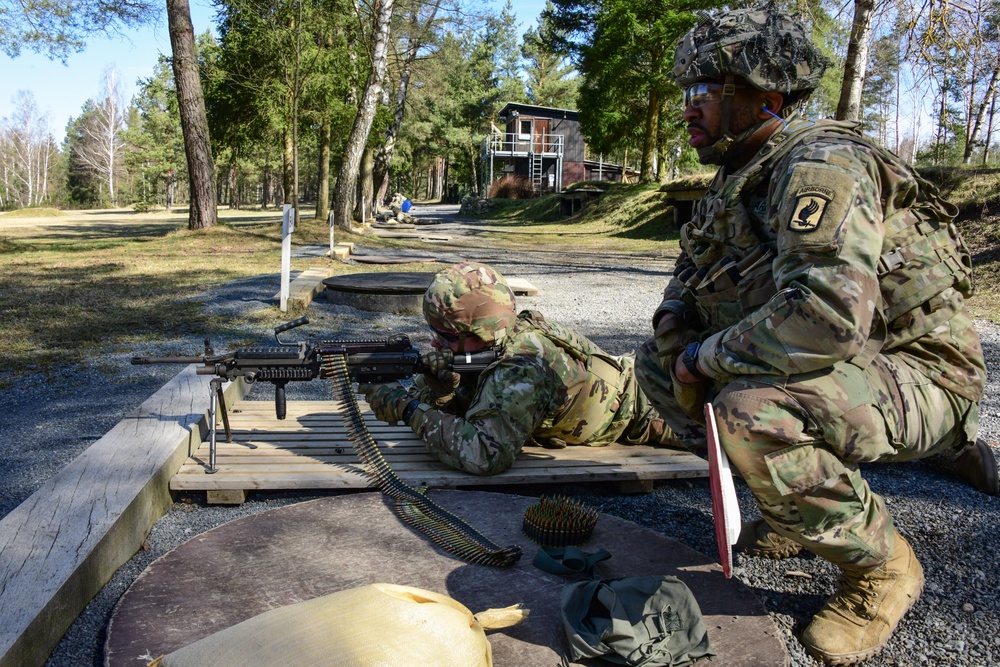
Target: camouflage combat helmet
[
  {"x": 470, "y": 298},
  {"x": 767, "y": 48}
]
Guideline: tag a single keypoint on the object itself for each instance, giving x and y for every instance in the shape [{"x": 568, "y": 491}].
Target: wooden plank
[
  {"x": 306, "y": 286},
  {"x": 311, "y": 450},
  {"x": 62, "y": 544},
  {"x": 438, "y": 479}
]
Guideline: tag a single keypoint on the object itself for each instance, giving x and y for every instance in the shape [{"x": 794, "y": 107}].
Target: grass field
[{"x": 75, "y": 282}]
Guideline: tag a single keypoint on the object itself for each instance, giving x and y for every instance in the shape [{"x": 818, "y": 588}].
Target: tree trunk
[
  {"x": 265, "y": 187},
  {"x": 989, "y": 128},
  {"x": 385, "y": 152},
  {"x": 649, "y": 135},
  {"x": 977, "y": 124},
  {"x": 194, "y": 123},
  {"x": 473, "y": 155},
  {"x": 849, "y": 107},
  {"x": 323, "y": 187},
  {"x": 366, "y": 186},
  {"x": 348, "y": 175},
  {"x": 438, "y": 183},
  {"x": 233, "y": 187}
]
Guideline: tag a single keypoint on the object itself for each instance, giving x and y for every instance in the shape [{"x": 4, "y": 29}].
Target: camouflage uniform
[
  {"x": 821, "y": 289},
  {"x": 550, "y": 386},
  {"x": 826, "y": 283}
]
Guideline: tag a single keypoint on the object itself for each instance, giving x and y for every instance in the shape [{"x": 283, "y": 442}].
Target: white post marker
[
  {"x": 330, "y": 220},
  {"x": 287, "y": 227},
  {"x": 725, "y": 504}
]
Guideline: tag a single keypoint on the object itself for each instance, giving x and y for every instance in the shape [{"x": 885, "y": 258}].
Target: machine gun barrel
[{"x": 143, "y": 361}]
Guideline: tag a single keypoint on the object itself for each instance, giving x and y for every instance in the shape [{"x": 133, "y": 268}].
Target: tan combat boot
[
  {"x": 857, "y": 622},
  {"x": 757, "y": 538},
  {"x": 977, "y": 466}
]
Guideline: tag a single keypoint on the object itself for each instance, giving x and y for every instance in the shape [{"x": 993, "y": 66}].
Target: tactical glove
[
  {"x": 388, "y": 401},
  {"x": 690, "y": 396},
  {"x": 440, "y": 381},
  {"x": 673, "y": 333},
  {"x": 438, "y": 360}
]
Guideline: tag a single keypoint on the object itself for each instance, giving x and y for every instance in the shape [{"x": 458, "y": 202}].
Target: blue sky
[{"x": 61, "y": 90}]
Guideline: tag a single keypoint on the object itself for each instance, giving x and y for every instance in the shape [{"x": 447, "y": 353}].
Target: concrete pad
[
  {"x": 303, "y": 551},
  {"x": 423, "y": 236}
]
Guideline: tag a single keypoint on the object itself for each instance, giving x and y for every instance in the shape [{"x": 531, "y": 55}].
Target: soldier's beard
[{"x": 742, "y": 125}]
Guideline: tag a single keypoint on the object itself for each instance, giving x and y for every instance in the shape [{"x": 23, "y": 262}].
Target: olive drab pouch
[
  {"x": 734, "y": 287},
  {"x": 649, "y": 621}
]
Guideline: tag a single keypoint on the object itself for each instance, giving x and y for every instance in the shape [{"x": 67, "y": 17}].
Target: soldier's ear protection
[{"x": 771, "y": 113}]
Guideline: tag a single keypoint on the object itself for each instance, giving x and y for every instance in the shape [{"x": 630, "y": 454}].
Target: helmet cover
[
  {"x": 764, "y": 46},
  {"x": 470, "y": 298}
]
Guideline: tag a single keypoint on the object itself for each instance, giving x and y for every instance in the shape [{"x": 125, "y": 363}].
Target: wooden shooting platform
[{"x": 310, "y": 449}]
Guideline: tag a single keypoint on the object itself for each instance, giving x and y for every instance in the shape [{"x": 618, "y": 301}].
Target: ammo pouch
[
  {"x": 590, "y": 402},
  {"x": 587, "y": 414},
  {"x": 732, "y": 288}
]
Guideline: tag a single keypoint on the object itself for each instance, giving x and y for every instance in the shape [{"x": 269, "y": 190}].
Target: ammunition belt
[{"x": 448, "y": 531}]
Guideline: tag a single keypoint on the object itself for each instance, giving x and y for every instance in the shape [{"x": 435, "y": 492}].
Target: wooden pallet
[{"x": 310, "y": 450}]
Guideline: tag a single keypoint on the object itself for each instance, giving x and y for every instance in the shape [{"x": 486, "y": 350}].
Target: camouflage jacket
[
  {"x": 551, "y": 386},
  {"x": 826, "y": 248}
]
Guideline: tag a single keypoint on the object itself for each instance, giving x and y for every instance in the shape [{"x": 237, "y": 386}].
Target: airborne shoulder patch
[{"x": 810, "y": 205}]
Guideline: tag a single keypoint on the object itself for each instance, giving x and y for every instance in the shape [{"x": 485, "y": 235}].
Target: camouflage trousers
[{"x": 797, "y": 441}]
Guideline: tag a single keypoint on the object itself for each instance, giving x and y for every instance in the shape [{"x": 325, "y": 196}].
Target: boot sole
[
  {"x": 855, "y": 658},
  {"x": 774, "y": 554},
  {"x": 992, "y": 484}
]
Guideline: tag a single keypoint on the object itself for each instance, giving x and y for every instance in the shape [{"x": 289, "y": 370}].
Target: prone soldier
[{"x": 550, "y": 386}]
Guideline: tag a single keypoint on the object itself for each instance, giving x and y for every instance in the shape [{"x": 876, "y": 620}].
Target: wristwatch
[{"x": 689, "y": 357}]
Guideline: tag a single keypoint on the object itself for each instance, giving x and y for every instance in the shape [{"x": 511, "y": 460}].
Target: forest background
[{"x": 339, "y": 102}]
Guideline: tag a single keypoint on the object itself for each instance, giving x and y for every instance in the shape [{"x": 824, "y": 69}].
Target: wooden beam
[{"x": 60, "y": 546}]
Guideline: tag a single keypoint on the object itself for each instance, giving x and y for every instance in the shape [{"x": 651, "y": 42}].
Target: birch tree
[
  {"x": 27, "y": 154},
  {"x": 849, "y": 107},
  {"x": 347, "y": 178},
  {"x": 101, "y": 151},
  {"x": 419, "y": 23}
]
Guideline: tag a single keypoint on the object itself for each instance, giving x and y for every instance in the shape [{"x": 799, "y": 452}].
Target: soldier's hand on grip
[{"x": 388, "y": 401}]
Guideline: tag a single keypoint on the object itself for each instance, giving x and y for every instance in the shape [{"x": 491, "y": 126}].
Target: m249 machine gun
[{"x": 368, "y": 361}]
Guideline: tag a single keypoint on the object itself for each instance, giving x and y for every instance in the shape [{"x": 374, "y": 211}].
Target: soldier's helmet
[
  {"x": 470, "y": 298},
  {"x": 764, "y": 46}
]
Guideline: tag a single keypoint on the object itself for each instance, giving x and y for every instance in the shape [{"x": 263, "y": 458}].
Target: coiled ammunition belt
[{"x": 448, "y": 531}]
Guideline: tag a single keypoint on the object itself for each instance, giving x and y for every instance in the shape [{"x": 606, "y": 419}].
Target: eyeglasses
[{"x": 699, "y": 94}]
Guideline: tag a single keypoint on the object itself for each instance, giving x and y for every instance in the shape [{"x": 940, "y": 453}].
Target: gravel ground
[{"x": 954, "y": 530}]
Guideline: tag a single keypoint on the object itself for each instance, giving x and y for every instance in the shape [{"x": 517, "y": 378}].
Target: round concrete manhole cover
[
  {"x": 399, "y": 282},
  {"x": 394, "y": 292},
  {"x": 302, "y": 551}
]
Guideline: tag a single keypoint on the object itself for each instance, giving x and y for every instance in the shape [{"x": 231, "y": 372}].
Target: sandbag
[{"x": 380, "y": 624}]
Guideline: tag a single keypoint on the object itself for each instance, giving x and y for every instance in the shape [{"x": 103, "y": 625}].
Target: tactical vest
[
  {"x": 596, "y": 389},
  {"x": 923, "y": 253}
]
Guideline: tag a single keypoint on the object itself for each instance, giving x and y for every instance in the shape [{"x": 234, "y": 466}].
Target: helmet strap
[
  {"x": 715, "y": 153},
  {"x": 462, "y": 335}
]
